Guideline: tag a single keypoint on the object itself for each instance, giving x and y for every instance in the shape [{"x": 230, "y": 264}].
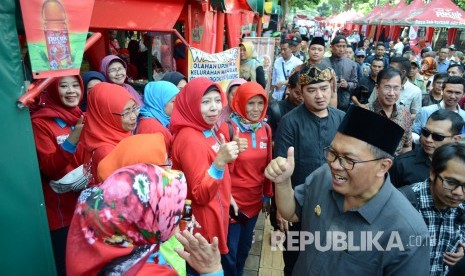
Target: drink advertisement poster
[
  {"x": 56, "y": 32},
  {"x": 217, "y": 67},
  {"x": 264, "y": 48}
]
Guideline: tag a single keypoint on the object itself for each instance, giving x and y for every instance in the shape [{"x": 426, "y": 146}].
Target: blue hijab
[{"x": 156, "y": 95}]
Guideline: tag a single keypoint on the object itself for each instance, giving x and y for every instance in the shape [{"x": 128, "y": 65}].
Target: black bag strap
[{"x": 284, "y": 71}]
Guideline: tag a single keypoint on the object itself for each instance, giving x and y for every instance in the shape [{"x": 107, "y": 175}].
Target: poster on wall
[
  {"x": 217, "y": 67},
  {"x": 56, "y": 32},
  {"x": 264, "y": 48},
  {"x": 197, "y": 28}
]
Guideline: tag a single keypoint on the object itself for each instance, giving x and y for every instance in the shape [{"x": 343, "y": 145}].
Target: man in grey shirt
[
  {"x": 354, "y": 220},
  {"x": 346, "y": 71}
]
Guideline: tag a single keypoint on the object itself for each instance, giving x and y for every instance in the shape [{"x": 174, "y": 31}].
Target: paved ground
[{"x": 262, "y": 260}]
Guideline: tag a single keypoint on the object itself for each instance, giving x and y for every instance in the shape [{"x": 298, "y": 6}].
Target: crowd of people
[{"x": 117, "y": 166}]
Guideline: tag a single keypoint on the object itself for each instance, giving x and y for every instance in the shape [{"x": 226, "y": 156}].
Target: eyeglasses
[
  {"x": 116, "y": 70},
  {"x": 436, "y": 137},
  {"x": 345, "y": 162},
  {"x": 451, "y": 184},
  {"x": 387, "y": 88},
  {"x": 135, "y": 110}
]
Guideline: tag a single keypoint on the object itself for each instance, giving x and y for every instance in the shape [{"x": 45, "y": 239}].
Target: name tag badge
[
  {"x": 216, "y": 147},
  {"x": 61, "y": 139}
]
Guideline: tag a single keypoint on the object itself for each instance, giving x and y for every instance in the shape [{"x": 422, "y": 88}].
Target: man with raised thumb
[{"x": 354, "y": 222}]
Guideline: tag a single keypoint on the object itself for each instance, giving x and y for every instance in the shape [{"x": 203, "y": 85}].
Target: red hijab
[
  {"x": 186, "y": 112},
  {"x": 54, "y": 107},
  {"x": 102, "y": 127},
  {"x": 243, "y": 94}
]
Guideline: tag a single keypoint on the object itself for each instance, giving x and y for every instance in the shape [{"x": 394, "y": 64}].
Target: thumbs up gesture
[
  {"x": 227, "y": 153},
  {"x": 280, "y": 169},
  {"x": 242, "y": 143}
]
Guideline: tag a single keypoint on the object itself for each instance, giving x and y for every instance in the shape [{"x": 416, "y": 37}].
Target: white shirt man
[{"x": 282, "y": 69}]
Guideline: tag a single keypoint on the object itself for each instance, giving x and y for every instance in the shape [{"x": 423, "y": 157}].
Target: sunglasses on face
[{"x": 436, "y": 137}]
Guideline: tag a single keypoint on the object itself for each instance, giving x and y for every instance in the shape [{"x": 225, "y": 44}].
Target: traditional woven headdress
[{"x": 311, "y": 74}]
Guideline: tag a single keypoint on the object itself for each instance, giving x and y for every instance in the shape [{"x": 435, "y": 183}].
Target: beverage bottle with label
[
  {"x": 186, "y": 215},
  {"x": 56, "y": 35}
]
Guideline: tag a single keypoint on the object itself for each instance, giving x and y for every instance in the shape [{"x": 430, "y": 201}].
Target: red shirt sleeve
[{"x": 53, "y": 159}]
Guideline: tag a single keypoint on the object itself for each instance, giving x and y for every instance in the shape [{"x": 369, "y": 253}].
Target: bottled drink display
[
  {"x": 186, "y": 215},
  {"x": 56, "y": 35}
]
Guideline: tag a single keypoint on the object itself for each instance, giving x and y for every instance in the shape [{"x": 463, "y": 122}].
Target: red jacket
[
  {"x": 248, "y": 182},
  {"x": 193, "y": 153},
  {"x": 54, "y": 163},
  {"x": 152, "y": 125}
]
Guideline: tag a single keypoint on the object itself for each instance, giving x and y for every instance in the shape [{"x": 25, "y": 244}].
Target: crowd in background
[{"x": 116, "y": 164}]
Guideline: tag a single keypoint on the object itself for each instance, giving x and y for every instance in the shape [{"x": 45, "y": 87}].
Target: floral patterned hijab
[{"x": 120, "y": 223}]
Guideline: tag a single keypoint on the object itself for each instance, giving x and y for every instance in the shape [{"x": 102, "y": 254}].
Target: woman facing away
[
  {"x": 203, "y": 156},
  {"x": 119, "y": 226},
  {"x": 111, "y": 116},
  {"x": 175, "y": 78},
  {"x": 154, "y": 116},
  {"x": 114, "y": 69},
  {"x": 57, "y": 127},
  {"x": 250, "y": 190},
  {"x": 90, "y": 79}
]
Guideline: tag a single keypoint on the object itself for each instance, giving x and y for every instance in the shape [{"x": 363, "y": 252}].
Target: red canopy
[
  {"x": 382, "y": 14},
  {"x": 438, "y": 13},
  {"x": 135, "y": 14},
  {"x": 393, "y": 13},
  {"x": 364, "y": 20},
  {"x": 398, "y": 16}
]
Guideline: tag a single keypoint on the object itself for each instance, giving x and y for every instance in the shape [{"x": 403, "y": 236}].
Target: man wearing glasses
[
  {"x": 388, "y": 87},
  {"x": 351, "y": 195},
  {"x": 440, "y": 200},
  {"x": 443, "y": 127},
  {"x": 452, "y": 91}
]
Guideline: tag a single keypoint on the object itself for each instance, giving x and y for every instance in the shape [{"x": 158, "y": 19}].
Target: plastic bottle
[
  {"x": 56, "y": 35},
  {"x": 186, "y": 215}
]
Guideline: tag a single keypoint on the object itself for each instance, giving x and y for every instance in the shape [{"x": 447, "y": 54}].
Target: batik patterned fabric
[{"x": 119, "y": 223}]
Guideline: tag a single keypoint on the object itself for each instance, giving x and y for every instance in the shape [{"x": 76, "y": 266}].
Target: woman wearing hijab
[
  {"x": 57, "y": 127},
  {"x": 203, "y": 156},
  {"x": 143, "y": 148},
  {"x": 230, "y": 92},
  {"x": 159, "y": 97},
  {"x": 118, "y": 226},
  {"x": 251, "y": 68},
  {"x": 175, "y": 78},
  {"x": 428, "y": 70},
  {"x": 114, "y": 69},
  {"x": 251, "y": 191},
  {"x": 90, "y": 79},
  {"x": 111, "y": 116}
]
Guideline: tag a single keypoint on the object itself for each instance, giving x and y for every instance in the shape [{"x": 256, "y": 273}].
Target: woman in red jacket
[
  {"x": 57, "y": 127},
  {"x": 251, "y": 191},
  {"x": 202, "y": 155},
  {"x": 159, "y": 97},
  {"x": 111, "y": 116}
]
